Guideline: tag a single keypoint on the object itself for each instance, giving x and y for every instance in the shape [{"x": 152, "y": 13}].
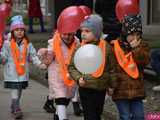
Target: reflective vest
[
  {"x": 102, "y": 46},
  {"x": 126, "y": 61},
  {"x": 19, "y": 58},
  {"x": 60, "y": 58}
]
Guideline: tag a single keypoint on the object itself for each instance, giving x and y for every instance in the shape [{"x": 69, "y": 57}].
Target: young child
[
  {"x": 61, "y": 47},
  {"x": 92, "y": 87},
  {"x": 16, "y": 53},
  {"x": 132, "y": 54},
  {"x": 48, "y": 106}
]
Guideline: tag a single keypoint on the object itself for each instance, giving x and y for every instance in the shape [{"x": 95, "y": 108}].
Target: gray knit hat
[{"x": 95, "y": 23}]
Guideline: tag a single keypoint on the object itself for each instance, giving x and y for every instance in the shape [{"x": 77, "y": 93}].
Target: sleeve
[
  {"x": 113, "y": 83},
  {"x": 50, "y": 55},
  {"x": 46, "y": 55},
  {"x": 4, "y": 52},
  {"x": 50, "y": 45},
  {"x": 74, "y": 73},
  {"x": 33, "y": 55},
  {"x": 142, "y": 54}
]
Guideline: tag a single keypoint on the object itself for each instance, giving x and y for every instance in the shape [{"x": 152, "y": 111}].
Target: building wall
[{"x": 150, "y": 10}]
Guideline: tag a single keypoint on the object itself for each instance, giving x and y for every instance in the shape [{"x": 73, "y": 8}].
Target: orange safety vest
[
  {"x": 102, "y": 45},
  {"x": 126, "y": 62},
  {"x": 60, "y": 57},
  {"x": 19, "y": 57}
]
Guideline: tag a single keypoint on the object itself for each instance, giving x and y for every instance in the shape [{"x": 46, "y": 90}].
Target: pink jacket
[{"x": 57, "y": 88}]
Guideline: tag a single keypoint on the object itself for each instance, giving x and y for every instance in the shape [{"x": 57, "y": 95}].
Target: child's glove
[
  {"x": 42, "y": 66},
  {"x": 135, "y": 43},
  {"x": 81, "y": 82},
  {"x": 110, "y": 91},
  {"x": 42, "y": 52},
  {"x": 45, "y": 56}
]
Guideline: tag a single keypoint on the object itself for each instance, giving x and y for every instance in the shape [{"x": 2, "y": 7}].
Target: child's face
[
  {"x": 67, "y": 37},
  {"x": 87, "y": 35},
  {"x": 133, "y": 37},
  {"x": 19, "y": 33}
]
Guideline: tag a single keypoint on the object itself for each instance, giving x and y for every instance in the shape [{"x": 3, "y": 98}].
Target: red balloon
[
  {"x": 126, "y": 7},
  {"x": 2, "y": 27},
  {"x": 86, "y": 10},
  {"x": 5, "y": 9},
  {"x": 8, "y": 10},
  {"x": 136, "y": 1},
  {"x": 9, "y": 2},
  {"x": 70, "y": 19},
  {"x": 2, "y": 23}
]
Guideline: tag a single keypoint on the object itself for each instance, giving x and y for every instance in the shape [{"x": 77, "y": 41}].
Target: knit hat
[
  {"x": 17, "y": 22},
  {"x": 95, "y": 23},
  {"x": 131, "y": 23}
]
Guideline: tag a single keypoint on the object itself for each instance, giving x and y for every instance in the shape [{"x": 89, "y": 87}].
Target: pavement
[{"x": 33, "y": 99}]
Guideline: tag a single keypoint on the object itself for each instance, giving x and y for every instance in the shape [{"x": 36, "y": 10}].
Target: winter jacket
[
  {"x": 127, "y": 87},
  {"x": 58, "y": 89},
  {"x": 10, "y": 74},
  {"x": 104, "y": 81}
]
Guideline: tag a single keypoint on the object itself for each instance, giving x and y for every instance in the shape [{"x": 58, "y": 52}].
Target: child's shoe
[
  {"x": 55, "y": 117},
  {"x": 17, "y": 114},
  {"x": 77, "y": 109},
  {"x": 49, "y": 106}
]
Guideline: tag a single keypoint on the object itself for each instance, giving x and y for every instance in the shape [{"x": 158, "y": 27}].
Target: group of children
[{"x": 120, "y": 73}]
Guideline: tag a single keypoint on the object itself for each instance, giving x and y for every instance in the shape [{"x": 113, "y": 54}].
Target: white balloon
[{"x": 88, "y": 58}]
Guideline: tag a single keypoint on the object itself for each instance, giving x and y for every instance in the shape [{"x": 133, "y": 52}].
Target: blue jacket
[{"x": 9, "y": 72}]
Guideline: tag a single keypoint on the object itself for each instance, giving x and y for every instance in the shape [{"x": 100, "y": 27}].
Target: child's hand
[
  {"x": 43, "y": 66},
  {"x": 110, "y": 91},
  {"x": 42, "y": 52},
  {"x": 82, "y": 82},
  {"x": 45, "y": 56},
  {"x": 135, "y": 43}
]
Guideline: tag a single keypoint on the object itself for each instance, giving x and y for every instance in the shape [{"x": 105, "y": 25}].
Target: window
[{"x": 154, "y": 11}]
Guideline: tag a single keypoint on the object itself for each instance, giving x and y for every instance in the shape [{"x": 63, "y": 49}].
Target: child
[
  {"x": 92, "y": 87},
  {"x": 76, "y": 107},
  {"x": 16, "y": 53},
  {"x": 61, "y": 47},
  {"x": 132, "y": 54}
]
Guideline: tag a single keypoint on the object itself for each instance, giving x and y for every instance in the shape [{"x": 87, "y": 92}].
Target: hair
[{"x": 25, "y": 36}]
